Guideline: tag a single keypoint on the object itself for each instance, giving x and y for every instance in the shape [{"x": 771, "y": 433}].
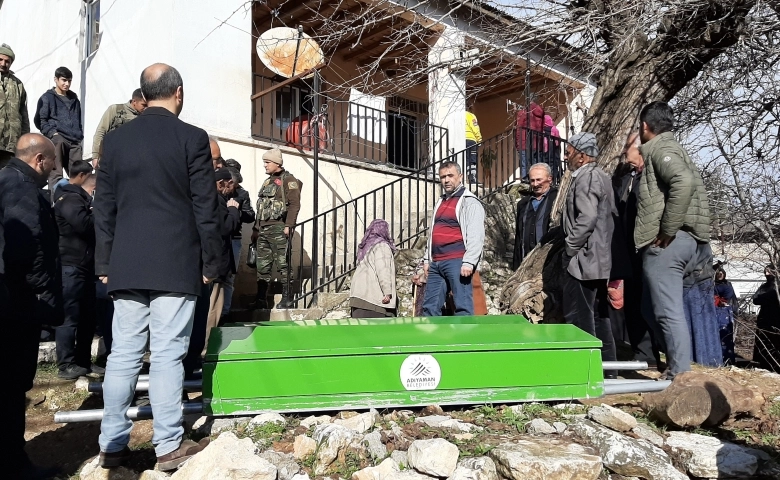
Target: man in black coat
[
  {"x": 247, "y": 216},
  {"x": 158, "y": 241},
  {"x": 73, "y": 211},
  {"x": 31, "y": 273},
  {"x": 533, "y": 212}
]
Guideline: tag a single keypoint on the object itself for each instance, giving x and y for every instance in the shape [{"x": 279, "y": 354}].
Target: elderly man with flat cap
[
  {"x": 278, "y": 204},
  {"x": 587, "y": 260},
  {"x": 14, "y": 119}
]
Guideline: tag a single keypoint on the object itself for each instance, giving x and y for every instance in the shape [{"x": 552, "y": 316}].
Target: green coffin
[{"x": 401, "y": 362}]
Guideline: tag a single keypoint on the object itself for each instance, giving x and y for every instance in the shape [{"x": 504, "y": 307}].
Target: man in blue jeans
[
  {"x": 155, "y": 252},
  {"x": 454, "y": 245}
]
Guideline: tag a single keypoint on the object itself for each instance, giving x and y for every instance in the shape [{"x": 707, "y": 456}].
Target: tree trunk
[{"x": 639, "y": 71}]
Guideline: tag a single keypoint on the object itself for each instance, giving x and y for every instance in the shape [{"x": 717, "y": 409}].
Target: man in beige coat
[{"x": 373, "y": 293}]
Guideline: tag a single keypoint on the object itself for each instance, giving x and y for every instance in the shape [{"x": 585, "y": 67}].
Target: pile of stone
[{"x": 357, "y": 444}]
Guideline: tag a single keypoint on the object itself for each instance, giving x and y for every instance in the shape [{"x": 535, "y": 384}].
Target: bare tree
[{"x": 650, "y": 51}]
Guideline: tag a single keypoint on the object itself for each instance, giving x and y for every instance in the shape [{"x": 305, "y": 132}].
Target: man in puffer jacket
[
  {"x": 58, "y": 116},
  {"x": 672, "y": 229}
]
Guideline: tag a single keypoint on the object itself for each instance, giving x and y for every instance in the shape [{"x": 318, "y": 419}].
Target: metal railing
[
  {"x": 346, "y": 129},
  {"x": 406, "y": 204}
]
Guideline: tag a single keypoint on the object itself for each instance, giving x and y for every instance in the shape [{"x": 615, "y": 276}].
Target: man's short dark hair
[
  {"x": 162, "y": 87},
  {"x": 659, "y": 116},
  {"x": 449, "y": 164},
  {"x": 78, "y": 167},
  {"x": 137, "y": 95},
  {"x": 229, "y": 162},
  {"x": 63, "y": 72}
]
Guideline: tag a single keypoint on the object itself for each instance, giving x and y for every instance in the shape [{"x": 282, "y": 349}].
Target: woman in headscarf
[
  {"x": 767, "y": 348},
  {"x": 726, "y": 307},
  {"x": 373, "y": 294}
]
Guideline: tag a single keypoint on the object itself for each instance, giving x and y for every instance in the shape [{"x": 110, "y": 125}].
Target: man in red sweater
[{"x": 454, "y": 246}]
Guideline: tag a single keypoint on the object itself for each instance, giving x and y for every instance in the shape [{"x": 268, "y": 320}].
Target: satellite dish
[{"x": 288, "y": 52}]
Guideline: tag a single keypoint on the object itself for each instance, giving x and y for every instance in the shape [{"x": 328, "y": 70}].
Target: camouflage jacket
[
  {"x": 279, "y": 200},
  {"x": 14, "y": 119},
  {"x": 116, "y": 116}
]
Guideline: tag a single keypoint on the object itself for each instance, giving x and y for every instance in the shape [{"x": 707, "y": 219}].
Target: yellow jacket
[{"x": 472, "y": 128}]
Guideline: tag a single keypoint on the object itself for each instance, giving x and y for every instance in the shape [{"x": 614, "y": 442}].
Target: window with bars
[{"x": 92, "y": 31}]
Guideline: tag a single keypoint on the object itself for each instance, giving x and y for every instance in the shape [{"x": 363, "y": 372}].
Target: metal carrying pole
[
  {"x": 134, "y": 413},
  {"x": 624, "y": 365},
  {"x": 143, "y": 386},
  {"x": 630, "y": 386}
]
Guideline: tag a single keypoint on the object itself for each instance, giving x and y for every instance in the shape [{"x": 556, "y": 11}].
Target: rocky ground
[{"x": 608, "y": 438}]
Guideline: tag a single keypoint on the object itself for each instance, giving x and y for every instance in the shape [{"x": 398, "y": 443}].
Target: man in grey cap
[
  {"x": 587, "y": 260},
  {"x": 278, "y": 204},
  {"x": 14, "y": 119}
]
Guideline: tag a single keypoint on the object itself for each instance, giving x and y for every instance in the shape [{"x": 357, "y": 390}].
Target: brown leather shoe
[
  {"x": 113, "y": 459},
  {"x": 176, "y": 458}
]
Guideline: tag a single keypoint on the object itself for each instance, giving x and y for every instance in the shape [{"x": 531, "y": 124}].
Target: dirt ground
[{"x": 69, "y": 446}]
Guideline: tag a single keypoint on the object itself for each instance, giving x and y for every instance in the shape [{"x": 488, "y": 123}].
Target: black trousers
[
  {"x": 585, "y": 305},
  {"x": 74, "y": 336},
  {"x": 640, "y": 335},
  {"x": 193, "y": 360},
  {"x": 22, "y": 347}
]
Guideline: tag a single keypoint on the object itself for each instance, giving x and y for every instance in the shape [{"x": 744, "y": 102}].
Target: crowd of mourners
[{"x": 143, "y": 242}]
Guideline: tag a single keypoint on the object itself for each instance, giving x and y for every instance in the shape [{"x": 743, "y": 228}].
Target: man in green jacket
[
  {"x": 672, "y": 230},
  {"x": 14, "y": 119},
  {"x": 116, "y": 116}
]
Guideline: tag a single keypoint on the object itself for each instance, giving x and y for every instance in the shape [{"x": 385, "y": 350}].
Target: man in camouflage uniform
[
  {"x": 278, "y": 204},
  {"x": 14, "y": 119},
  {"x": 116, "y": 116}
]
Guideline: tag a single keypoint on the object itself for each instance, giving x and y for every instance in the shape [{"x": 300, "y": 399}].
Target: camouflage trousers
[{"x": 272, "y": 252}]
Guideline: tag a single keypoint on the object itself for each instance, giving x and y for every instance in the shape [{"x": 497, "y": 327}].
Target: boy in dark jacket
[
  {"x": 73, "y": 211},
  {"x": 58, "y": 116}
]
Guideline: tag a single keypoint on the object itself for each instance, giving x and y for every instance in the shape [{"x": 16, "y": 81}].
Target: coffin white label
[{"x": 420, "y": 372}]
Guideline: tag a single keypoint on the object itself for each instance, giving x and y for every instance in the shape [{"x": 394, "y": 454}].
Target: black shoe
[
  {"x": 97, "y": 370},
  {"x": 72, "y": 372},
  {"x": 113, "y": 459},
  {"x": 260, "y": 302}
]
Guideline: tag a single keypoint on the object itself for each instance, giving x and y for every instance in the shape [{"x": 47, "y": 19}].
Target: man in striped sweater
[{"x": 454, "y": 246}]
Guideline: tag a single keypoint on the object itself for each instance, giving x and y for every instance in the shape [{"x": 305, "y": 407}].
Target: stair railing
[{"x": 406, "y": 204}]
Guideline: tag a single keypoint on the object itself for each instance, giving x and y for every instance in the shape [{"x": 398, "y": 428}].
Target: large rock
[
  {"x": 612, "y": 417},
  {"x": 227, "y": 458},
  {"x": 388, "y": 470},
  {"x": 313, "y": 421},
  {"x": 92, "y": 471},
  {"x": 215, "y": 426},
  {"x": 476, "y": 468},
  {"x": 537, "y": 426},
  {"x": 445, "y": 421},
  {"x": 285, "y": 464},
  {"x": 153, "y": 475},
  {"x": 436, "y": 457},
  {"x": 360, "y": 423},
  {"x": 374, "y": 445},
  {"x": 400, "y": 457},
  {"x": 303, "y": 447},
  {"x": 542, "y": 459},
  {"x": 264, "y": 418},
  {"x": 331, "y": 440},
  {"x": 628, "y": 456},
  {"x": 647, "y": 433},
  {"x": 709, "y": 457}
]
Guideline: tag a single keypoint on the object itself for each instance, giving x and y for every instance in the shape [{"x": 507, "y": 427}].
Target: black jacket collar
[
  {"x": 70, "y": 188},
  {"x": 28, "y": 172},
  {"x": 158, "y": 111}
]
